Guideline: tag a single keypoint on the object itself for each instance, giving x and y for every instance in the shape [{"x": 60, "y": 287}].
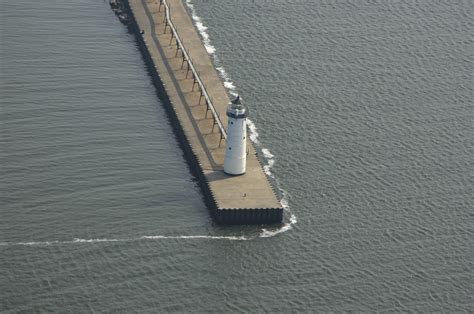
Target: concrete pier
[{"x": 244, "y": 199}]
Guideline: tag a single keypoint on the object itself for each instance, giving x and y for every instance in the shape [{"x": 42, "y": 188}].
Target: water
[{"x": 365, "y": 106}]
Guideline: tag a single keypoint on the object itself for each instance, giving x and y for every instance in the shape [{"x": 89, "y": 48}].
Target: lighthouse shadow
[{"x": 219, "y": 175}]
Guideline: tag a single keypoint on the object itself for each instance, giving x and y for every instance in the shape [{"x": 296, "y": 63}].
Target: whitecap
[{"x": 229, "y": 85}]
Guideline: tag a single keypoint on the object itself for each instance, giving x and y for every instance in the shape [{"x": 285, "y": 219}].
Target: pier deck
[{"x": 248, "y": 198}]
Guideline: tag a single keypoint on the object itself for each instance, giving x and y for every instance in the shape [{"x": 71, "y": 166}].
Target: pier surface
[{"x": 248, "y": 198}]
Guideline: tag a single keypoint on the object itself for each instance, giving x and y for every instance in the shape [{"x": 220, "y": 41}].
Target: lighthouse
[{"x": 236, "y": 151}]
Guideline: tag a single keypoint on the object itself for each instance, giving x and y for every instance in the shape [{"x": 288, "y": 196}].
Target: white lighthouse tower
[{"x": 236, "y": 151}]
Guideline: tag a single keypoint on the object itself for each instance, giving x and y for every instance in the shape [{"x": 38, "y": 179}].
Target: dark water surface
[{"x": 366, "y": 105}]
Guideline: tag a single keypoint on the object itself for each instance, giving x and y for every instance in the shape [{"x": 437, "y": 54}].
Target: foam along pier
[{"x": 211, "y": 128}]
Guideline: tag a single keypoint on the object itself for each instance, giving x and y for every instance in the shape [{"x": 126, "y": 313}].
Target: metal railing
[{"x": 196, "y": 77}]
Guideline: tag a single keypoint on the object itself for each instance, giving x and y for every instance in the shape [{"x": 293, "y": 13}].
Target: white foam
[
  {"x": 266, "y": 233},
  {"x": 146, "y": 237},
  {"x": 222, "y": 72},
  {"x": 267, "y": 153},
  {"x": 211, "y": 50},
  {"x": 229, "y": 85},
  {"x": 202, "y": 30},
  {"x": 99, "y": 240},
  {"x": 253, "y": 131},
  {"x": 76, "y": 240},
  {"x": 39, "y": 243},
  {"x": 238, "y": 238}
]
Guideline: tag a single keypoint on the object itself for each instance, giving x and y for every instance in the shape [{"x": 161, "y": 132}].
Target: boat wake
[
  {"x": 122, "y": 240},
  {"x": 263, "y": 234}
]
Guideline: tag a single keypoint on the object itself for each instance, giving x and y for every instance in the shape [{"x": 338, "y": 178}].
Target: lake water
[{"x": 365, "y": 119}]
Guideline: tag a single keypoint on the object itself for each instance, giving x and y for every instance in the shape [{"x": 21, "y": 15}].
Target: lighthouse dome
[{"x": 236, "y": 109}]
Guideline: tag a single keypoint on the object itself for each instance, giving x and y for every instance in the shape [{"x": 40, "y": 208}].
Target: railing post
[
  {"x": 194, "y": 83},
  {"x": 178, "y": 47},
  {"x": 213, "y": 124},
  {"x": 207, "y": 108},
  {"x": 220, "y": 141},
  {"x": 200, "y": 97},
  {"x": 187, "y": 71}
]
